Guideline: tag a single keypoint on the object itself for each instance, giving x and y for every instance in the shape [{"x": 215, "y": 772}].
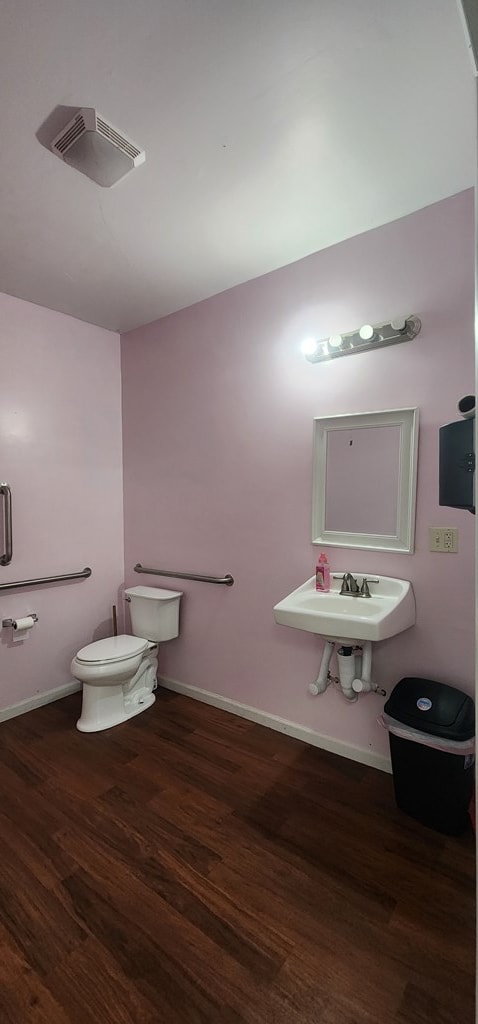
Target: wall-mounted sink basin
[{"x": 389, "y": 610}]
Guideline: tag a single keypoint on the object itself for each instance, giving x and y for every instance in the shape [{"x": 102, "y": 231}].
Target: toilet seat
[{"x": 111, "y": 650}]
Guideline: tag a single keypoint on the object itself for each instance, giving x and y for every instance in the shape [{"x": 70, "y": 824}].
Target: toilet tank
[{"x": 154, "y": 612}]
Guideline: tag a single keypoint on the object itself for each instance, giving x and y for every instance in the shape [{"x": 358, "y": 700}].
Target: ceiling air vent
[{"x": 96, "y": 148}]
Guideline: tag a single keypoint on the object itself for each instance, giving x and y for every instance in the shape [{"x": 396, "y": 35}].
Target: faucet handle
[{"x": 364, "y": 589}]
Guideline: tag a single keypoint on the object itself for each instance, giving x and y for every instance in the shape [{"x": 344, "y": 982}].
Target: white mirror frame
[{"x": 403, "y": 540}]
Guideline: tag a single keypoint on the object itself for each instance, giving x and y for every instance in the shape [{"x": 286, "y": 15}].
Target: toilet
[{"x": 119, "y": 673}]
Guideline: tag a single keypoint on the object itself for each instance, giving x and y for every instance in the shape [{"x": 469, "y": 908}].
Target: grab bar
[
  {"x": 7, "y": 524},
  {"x": 83, "y": 575},
  {"x": 227, "y": 580}
]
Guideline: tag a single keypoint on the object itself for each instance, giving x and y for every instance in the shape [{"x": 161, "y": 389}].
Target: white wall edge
[
  {"x": 38, "y": 700},
  {"x": 298, "y": 732}
]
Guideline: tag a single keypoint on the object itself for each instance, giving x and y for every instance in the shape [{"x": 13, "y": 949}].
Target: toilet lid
[{"x": 114, "y": 648}]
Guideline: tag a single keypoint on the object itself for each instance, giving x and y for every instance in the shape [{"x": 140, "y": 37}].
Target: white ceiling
[{"x": 272, "y": 129}]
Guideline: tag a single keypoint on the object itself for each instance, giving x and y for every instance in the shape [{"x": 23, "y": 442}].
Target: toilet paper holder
[{"x": 12, "y": 622}]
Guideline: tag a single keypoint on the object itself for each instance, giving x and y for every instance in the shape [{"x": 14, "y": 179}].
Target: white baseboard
[
  {"x": 299, "y": 732},
  {"x": 38, "y": 700}
]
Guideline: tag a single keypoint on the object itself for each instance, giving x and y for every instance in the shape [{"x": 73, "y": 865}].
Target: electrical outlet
[
  {"x": 450, "y": 540},
  {"x": 443, "y": 538}
]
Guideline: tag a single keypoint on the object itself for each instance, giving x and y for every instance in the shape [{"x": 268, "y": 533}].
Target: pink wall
[
  {"x": 60, "y": 450},
  {"x": 217, "y": 412}
]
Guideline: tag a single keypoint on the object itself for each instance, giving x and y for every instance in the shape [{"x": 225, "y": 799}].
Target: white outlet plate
[{"x": 443, "y": 538}]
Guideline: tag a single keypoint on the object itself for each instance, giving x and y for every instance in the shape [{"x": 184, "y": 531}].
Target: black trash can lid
[{"x": 432, "y": 707}]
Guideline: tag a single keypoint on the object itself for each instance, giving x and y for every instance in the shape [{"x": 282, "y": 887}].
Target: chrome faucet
[
  {"x": 351, "y": 587},
  {"x": 354, "y": 587},
  {"x": 349, "y": 584}
]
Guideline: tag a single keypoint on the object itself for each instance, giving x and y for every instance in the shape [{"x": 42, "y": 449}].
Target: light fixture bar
[{"x": 368, "y": 337}]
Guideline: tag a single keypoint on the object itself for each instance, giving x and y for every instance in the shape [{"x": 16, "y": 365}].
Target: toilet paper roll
[{"x": 21, "y": 625}]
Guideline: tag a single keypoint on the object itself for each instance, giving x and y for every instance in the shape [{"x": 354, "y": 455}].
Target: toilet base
[
  {"x": 105, "y": 714},
  {"x": 106, "y": 706}
]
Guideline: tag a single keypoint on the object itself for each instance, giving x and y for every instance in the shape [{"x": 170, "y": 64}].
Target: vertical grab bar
[{"x": 7, "y": 524}]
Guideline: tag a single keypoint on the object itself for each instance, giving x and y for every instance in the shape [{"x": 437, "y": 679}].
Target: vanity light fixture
[{"x": 367, "y": 337}]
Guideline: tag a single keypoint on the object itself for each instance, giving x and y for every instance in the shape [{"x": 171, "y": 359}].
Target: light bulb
[
  {"x": 309, "y": 347},
  {"x": 335, "y": 340},
  {"x": 367, "y": 333},
  {"x": 399, "y": 324}
]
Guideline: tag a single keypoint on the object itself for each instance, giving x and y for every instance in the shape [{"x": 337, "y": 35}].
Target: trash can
[{"x": 431, "y": 729}]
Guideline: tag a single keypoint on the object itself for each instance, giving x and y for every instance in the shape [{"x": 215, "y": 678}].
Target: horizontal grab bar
[
  {"x": 227, "y": 580},
  {"x": 83, "y": 575}
]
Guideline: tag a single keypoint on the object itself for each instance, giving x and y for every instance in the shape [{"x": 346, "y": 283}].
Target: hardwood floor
[{"x": 190, "y": 867}]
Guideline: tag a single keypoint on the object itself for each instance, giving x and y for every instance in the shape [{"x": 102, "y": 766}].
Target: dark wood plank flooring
[{"x": 190, "y": 867}]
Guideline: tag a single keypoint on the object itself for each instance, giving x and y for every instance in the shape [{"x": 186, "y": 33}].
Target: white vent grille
[
  {"x": 73, "y": 130},
  {"x": 94, "y": 147},
  {"x": 118, "y": 140}
]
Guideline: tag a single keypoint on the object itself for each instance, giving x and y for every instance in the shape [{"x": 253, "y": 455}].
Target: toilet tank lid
[
  {"x": 154, "y": 593},
  {"x": 112, "y": 648}
]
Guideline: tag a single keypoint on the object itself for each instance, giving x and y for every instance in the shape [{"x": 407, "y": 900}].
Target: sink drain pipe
[
  {"x": 346, "y": 663},
  {"x": 363, "y": 680},
  {"x": 355, "y": 671},
  {"x": 323, "y": 678}
]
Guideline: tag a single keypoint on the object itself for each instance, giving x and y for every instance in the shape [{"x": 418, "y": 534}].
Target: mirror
[{"x": 364, "y": 480}]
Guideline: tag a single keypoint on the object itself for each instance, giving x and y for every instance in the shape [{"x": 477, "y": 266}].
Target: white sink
[{"x": 389, "y": 610}]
